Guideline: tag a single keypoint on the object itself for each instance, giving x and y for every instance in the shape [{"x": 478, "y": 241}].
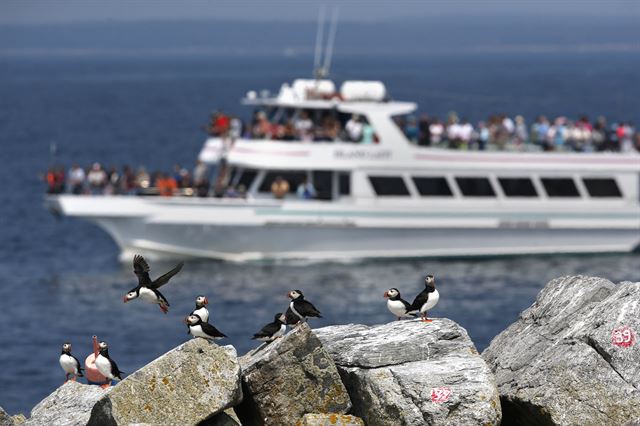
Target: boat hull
[{"x": 242, "y": 231}]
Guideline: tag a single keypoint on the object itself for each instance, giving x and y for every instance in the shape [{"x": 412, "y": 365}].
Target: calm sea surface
[{"x": 60, "y": 279}]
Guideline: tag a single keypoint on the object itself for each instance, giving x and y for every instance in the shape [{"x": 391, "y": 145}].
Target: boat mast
[{"x": 322, "y": 70}]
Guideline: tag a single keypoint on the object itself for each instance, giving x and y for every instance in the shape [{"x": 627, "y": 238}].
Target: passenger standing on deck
[
  {"x": 279, "y": 187},
  {"x": 200, "y": 179},
  {"x": 354, "y": 128},
  {"x": 97, "y": 179},
  {"x": 76, "y": 179},
  {"x": 304, "y": 127}
]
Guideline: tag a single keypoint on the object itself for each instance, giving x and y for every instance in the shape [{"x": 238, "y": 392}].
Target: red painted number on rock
[
  {"x": 623, "y": 337},
  {"x": 440, "y": 395}
]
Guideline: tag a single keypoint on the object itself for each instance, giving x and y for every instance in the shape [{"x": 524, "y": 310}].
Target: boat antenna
[
  {"x": 321, "y": 71},
  {"x": 330, "y": 41},
  {"x": 319, "y": 37}
]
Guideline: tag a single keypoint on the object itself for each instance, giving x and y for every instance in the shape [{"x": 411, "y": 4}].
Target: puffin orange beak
[
  {"x": 186, "y": 320},
  {"x": 386, "y": 295},
  {"x": 206, "y": 301},
  {"x": 289, "y": 295},
  {"x": 125, "y": 300}
]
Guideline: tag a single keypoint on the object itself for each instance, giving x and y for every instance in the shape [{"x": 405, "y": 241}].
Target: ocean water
[{"x": 60, "y": 279}]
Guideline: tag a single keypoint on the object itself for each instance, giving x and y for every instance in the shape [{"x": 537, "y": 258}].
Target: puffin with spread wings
[{"x": 147, "y": 290}]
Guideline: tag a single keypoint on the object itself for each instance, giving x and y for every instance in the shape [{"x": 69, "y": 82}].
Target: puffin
[
  {"x": 147, "y": 290},
  {"x": 199, "y": 328},
  {"x": 397, "y": 305},
  {"x": 70, "y": 363},
  {"x": 273, "y": 330},
  {"x": 427, "y": 299},
  {"x": 300, "y": 307},
  {"x": 106, "y": 366},
  {"x": 201, "y": 308}
]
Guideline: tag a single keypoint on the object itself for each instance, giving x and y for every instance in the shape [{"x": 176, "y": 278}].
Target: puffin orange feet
[{"x": 105, "y": 386}]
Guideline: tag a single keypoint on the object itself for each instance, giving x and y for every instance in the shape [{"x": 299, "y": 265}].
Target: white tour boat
[{"x": 385, "y": 199}]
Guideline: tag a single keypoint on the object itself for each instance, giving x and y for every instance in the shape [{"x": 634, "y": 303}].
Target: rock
[
  {"x": 568, "y": 359},
  {"x": 7, "y": 420},
  {"x": 226, "y": 418},
  {"x": 185, "y": 386},
  {"x": 68, "y": 405},
  {"x": 18, "y": 419},
  {"x": 288, "y": 378},
  {"x": 413, "y": 373},
  {"x": 329, "y": 420}
]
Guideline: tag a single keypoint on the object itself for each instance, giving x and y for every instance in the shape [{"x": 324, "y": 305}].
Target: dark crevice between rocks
[
  {"x": 605, "y": 356},
  {"x": 516, "y": 412},
  {"x": 101, "y": 414}
]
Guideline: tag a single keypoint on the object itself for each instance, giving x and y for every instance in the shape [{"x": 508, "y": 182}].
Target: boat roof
[{"x": 354, "y": 96}]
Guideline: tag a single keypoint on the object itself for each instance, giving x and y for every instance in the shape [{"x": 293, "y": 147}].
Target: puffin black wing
[
  {"x": 290, "y": 317},
  {"x": 115, "y": 370},
  {"x": 306, "y": 309},
  {"x": 420, "y": 299},
  {"x": 211, "y": 330},
  {"x": 163, "y": 279},
  {"x": 79, "y": 366},
  {"x": 141, "y": 269},
  {"x": 268, "y": 330}
]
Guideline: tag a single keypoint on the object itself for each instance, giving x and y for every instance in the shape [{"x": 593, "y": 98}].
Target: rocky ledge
[
  {"x": 572, "y": 358},
  {"x": 413, "y": 373}
]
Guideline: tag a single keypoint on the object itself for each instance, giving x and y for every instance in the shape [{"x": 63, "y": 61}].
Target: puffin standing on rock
[
  {"x": 273, "y": 330},
  {"x": 106, "y": 366},
  {"x": 201, "y": 308},
  {"x": 147, "y": 290},
  {"x": 300, "y": 308},
  {"x": 70, "y": 363},
  {"x": 397, "y": 305},
  {"x": 199, "y": 328},
  {"x": 427, "y": 299}
]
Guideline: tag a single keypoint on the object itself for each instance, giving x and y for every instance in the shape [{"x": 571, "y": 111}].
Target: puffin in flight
[
  {"x": 199, "y": 328},
  {"x": 147, "y": 290},
  {"x": 106, "y": 366},
  {"x": 427, "y": 299},
  {"x": 273, "y": 330},
  {"x": 70, "y": 363},
  {"x": 201, "y": 308},
  {"x": 300, "y": 308},
  {"x": 397, "y": 305}
]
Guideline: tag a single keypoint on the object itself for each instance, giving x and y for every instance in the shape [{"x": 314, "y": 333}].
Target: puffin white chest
[
  {"x": 431, "y": 302},
  {"x": 68, "y": 364},
  {"x": 148, "y": 295},
  {"x": 104, "y": 366},
  {"x": 396, "y": 307},
  {"x": 294, "y": 310},
  {"x": 197, "y": 331},
  {"x": 203, "y": 313}
]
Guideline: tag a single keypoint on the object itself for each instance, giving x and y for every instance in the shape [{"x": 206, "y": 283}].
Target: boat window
[
  {"x": 293, "y": 178},
  {"x": 432, "y": 186},
  {"x": 475, "y": 186},
  {"x": 344, "y": 180},
  {"x": 560, "y": 187},
  {"x": 602, "y": 187},
  {"x": 517, "y": 187},
  {"x": 244, "y": 178},
  {"x": 322, "y": 183},
  {"x": 389, "y": 185}
]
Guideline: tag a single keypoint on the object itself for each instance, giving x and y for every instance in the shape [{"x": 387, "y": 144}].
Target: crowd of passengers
[
  {"x": 96, "y": 180},
  {"x": 498, "y": 132}
]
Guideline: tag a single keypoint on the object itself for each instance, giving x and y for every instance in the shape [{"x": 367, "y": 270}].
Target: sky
[{"x": 30, "y": 12}]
